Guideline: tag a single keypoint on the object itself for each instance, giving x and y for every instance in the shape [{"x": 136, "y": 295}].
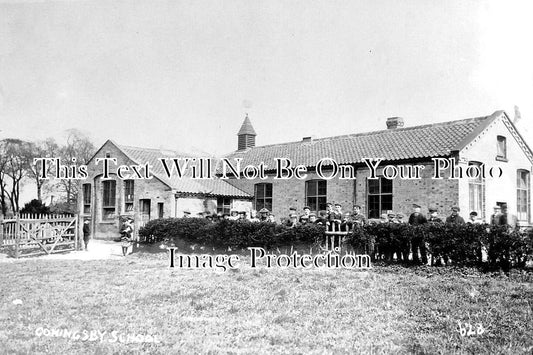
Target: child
[{"x": 126, "y": 238}]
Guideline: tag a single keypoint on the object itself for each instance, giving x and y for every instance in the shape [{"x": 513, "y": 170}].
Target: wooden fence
[
  {"x": 32, "y": 234},
  {"x": 335, "y": 235}
]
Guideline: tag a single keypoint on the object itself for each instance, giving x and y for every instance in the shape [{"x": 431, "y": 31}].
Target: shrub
[
  {"x": 229, "y": 234},
  {"x": 460, "y": 244}
]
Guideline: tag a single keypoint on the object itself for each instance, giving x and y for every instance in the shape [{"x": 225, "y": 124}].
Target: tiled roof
[
  {"x": 215, "y": 187},
  {"x": 432, "y": 140},
  {"x": 247, "y": 128}
]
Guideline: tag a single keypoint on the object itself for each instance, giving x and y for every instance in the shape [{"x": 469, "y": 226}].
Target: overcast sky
[{"x": 182, "y": 74}]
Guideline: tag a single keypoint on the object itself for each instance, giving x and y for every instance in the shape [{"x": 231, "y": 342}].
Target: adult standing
[
  {"x": 86, "y": 233},
  {"x": 507, "y": 219},
  {"x": 454, "y": 218},
  {"x": 417, "y": 242},
  {"x": 495, "y": 217}
]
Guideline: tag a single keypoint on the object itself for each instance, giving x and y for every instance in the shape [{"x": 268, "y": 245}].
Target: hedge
[
  {"x": 230, "y": 234},
  {"x": 458, "y": 244},
  {"x": 462, "y": 244}
]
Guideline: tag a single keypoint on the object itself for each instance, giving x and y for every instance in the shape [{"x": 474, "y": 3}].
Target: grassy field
[{"x": 381, "y": 311}]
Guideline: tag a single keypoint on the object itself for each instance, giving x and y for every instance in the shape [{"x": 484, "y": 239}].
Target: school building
[
  {"x": 107, "y": 200},
  {"x": 474, "y": 144}
]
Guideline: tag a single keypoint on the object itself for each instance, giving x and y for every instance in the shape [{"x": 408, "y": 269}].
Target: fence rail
[
  {"x": 336, "y": 234},
  {"x": 35, "y": 234}
]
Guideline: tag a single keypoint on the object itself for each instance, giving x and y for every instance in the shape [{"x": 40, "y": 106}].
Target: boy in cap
[
  {"x": 293, "y": 221},
  {"x": 472, "y": 218},
  {"x": 335, "y": 217},
  {"x": 263, "y": 214},
  {"x": 454, "y": 218},
  {"x": 433, "y": 216},
  {"x": 357, "y": 217},
  {"x": 307, "y": 211},
  {"x": 242, "y": 216},
  {"x": 329, "y": 214}
]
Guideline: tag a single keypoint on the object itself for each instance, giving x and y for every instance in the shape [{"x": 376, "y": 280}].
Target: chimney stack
[{"x": 394, "y": 122}]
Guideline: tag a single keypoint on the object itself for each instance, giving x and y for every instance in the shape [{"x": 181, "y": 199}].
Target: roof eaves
[{"x": 478, "y": 130}]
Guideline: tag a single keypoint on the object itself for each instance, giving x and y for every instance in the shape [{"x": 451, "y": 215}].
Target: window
[
  {"x": 316, "y": 194},
  {"x": 223, "y": 205},
  {"x": 379, "y": 196},
  {"x": 86, "y": 198},
  {"x": 160, "y": 209},
  {"x": 263, "y": 196},
  {"x": 502, "y": 148},
  {"x": 128, "y": 195},
  {"x": 476, "y": 189},
  {"x": 108, "y": 198},
  {"x": 522, "y": 195}
]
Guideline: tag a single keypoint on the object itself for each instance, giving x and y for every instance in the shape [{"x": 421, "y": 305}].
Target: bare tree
[
  {"x": 3, "y": 178},
  {"x": 77, "y": 151},
  {"x": 15, "y": 164},
  {"x": 42, "y": 149}
]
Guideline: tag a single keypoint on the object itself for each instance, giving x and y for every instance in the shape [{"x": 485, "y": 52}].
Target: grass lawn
[{"x": 384, "y": 310}]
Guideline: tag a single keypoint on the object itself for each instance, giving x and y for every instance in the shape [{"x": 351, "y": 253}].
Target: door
[{"x": 144, "y": 205}]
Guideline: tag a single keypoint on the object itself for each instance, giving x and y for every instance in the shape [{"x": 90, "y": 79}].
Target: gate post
[
  {"x": 1, "y": 230},
  {"x": 17, "y": 237},
  {"x": 76, "y": 232}
]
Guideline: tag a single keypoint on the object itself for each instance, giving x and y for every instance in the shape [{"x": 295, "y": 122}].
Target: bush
[
  {"x": 458, "y": 244},
  {"x": 229, "y": 234}
]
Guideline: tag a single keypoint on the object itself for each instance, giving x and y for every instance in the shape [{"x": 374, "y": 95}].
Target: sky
[{"x": 182, "y": 74}]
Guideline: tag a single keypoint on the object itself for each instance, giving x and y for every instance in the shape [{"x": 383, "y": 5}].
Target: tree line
[{"x": 17, "y": 169}]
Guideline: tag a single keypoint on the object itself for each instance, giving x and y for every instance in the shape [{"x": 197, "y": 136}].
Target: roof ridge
[
  {"x": 152, "y": 149},
  {"x": 352, "y": 135}
]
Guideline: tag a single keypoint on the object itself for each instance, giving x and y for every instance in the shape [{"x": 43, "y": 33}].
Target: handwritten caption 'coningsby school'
[{"x": 96, "y": 335}]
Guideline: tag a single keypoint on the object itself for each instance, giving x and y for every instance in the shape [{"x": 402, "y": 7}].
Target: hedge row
[
  {"x": 463, "y": 244},
  {"x": 457, "y": 244},
  {"x": 228, "y": 233}
]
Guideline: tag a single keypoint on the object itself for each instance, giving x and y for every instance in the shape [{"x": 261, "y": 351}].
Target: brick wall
[
  {"x": 427, "y": 192},
  {"x": 152, "y": 189}
]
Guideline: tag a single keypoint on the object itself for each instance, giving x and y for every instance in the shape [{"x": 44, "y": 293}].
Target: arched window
[{"x": 501, "y": 148}]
